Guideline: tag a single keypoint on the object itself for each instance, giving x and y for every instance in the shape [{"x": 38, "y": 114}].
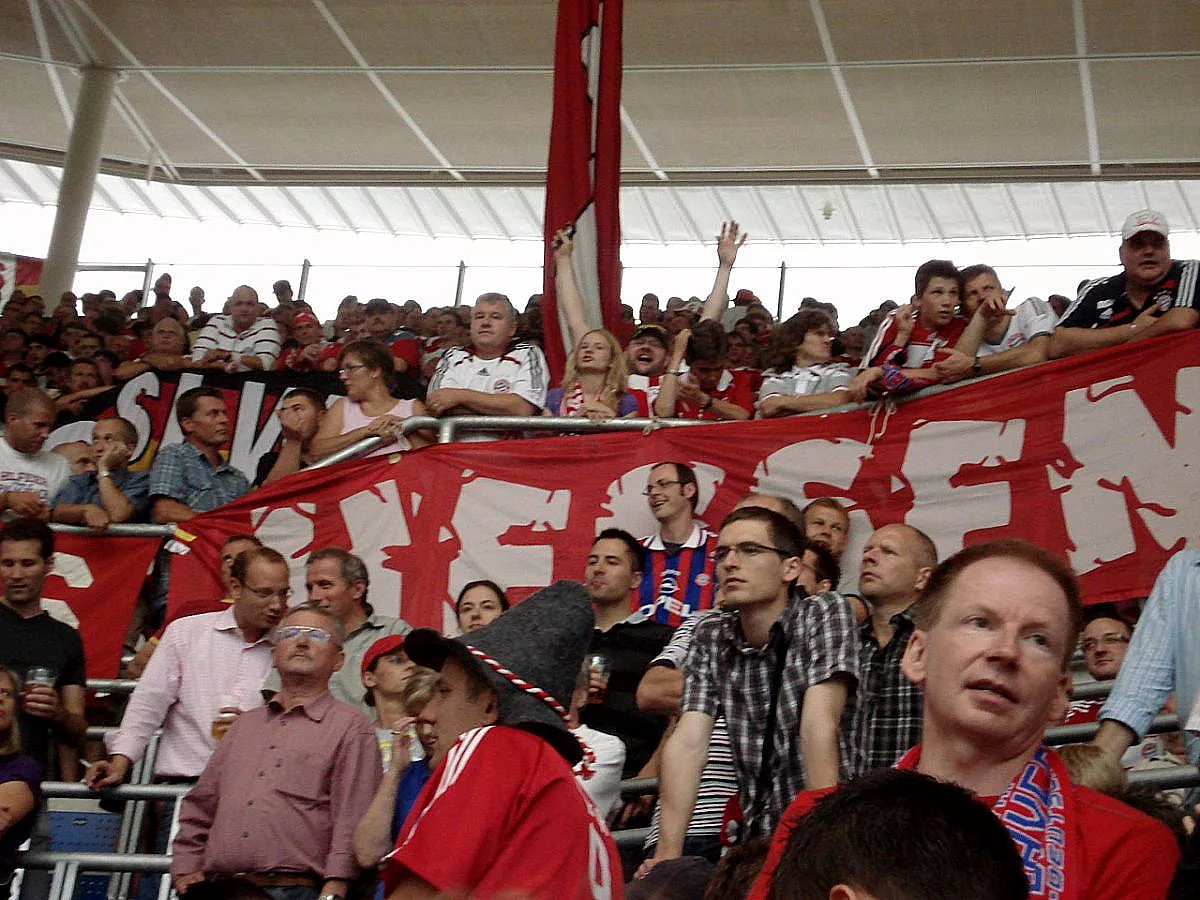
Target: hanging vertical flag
[{"x": 583, "y": 174}]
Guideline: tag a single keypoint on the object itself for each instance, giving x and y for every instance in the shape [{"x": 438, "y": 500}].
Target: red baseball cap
[
  {"x": 381, "y": 647},
  {"x": 305, "y": 317}
]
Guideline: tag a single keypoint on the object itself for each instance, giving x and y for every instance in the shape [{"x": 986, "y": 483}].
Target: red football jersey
[{"x": 504, "y": 813}]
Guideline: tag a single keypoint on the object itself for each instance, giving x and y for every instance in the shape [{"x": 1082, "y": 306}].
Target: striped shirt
[
  {"x": 202, "y": 664},
  {"x": 1103, "y": 303},
  {"x": 802, "y": 381},
  {"x": 718, "y": 780},
  {"x": 675, "y": 584},
  {"x": 261, "y": 339},
  {"x": 728, "y": 676}
]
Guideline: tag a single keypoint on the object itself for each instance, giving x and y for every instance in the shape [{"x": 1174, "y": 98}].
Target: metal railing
[
  {"x": 448, "y": 428},
  {"x": 123, "y": 862}
]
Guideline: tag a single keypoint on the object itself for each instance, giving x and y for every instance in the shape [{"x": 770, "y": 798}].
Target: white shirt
[
  {"x": 1033, "y": 317},
  {"x": 604, "y": 787},
  {"x": 261, "y": 339},
  {"x": 201, "y": 664},
  {"x": 799, "y": 381},
  {"x": 521, "y": 370},
  {"x": 43, "y": 473}
]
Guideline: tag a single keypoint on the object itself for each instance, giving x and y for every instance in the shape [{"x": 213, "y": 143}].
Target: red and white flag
[
  {"x": 583, "y": 174},
  {"x": 18, "y": 273}
]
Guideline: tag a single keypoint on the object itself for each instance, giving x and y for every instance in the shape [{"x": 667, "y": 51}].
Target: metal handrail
[
  {"x": 76, "y": 790},
  {"x": 112, "y": 685},
  {"x": 1079, "y": 734},
  {"x": 129, "y": 529},
  {"x": 446, "y": 429},
  {"x": 1092, "y": 690}
]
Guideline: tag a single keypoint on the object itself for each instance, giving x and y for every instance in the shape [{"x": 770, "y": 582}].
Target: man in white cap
[
  {"x": 1154, "y": 294},
  {"x": 503, "y": 811}
]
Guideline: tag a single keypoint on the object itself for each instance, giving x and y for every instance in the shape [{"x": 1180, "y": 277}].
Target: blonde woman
[
  {"x": 20, "y": 780},
  {"x": 595, "y": 377}
]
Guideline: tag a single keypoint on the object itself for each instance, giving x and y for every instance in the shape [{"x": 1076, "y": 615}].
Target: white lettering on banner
[
  {"x": 289, "y": 530},
  {"x": 172, "y": 433},
  {"x": 1142, "y": 473},
  {"x": 937, "y": 455},
  {"x": 245, "y": 450},
  {"x": 128, "y": 407},
  {"x": 487, "y": 509},
  {"x": 375, "y": 520},
  {"x": 787, "y": 472},
  {"x": 73, "y": 570},
  {"x": 627, "y": 498}
]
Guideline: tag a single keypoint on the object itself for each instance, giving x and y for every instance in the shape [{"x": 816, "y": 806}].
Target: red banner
[
  {"x": 99, "y": 578},
  {"x": 583, "y": 170},
  {"x": 1091, "y": 457}
]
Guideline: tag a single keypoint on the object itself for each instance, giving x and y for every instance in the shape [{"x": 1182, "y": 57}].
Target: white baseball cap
[{"x": 1144, "y": 220}]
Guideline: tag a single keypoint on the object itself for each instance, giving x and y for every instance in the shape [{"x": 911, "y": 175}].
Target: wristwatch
[
  {"x": 329, "y": 895},
  {"x": 976, "y": 368}
]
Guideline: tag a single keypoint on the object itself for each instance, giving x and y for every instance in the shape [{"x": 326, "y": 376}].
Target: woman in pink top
[{"x": 368, "y": 408}]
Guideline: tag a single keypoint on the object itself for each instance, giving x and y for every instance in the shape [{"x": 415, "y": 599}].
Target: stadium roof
[{"x": 825, "y": 120}]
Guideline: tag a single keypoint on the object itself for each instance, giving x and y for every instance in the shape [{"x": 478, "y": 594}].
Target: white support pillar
[{"x": 79, "y": 177}]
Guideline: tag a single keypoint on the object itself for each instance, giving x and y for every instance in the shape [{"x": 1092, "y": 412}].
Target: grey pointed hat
[{"x": 530, "y": 656}]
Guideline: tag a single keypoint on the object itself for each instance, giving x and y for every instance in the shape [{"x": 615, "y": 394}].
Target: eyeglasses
[
  {"x": 1105, "y": 640},
  {"x": 309, "y": 632},
  {"x": 267, "y": 593},
  {"x": 748, "y": 550},
  {"x": 660, "y": 486},
  {"x": 350, "y": 369}
]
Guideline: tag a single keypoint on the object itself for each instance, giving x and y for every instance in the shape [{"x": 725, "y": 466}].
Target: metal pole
[
  {"x": 779, "y": 300},
  {"x": 79, "y": 178},
  {"x": 148, "y": 281},
  {"x": 303, "y": 280},
  {"x": 462, "y": 276}
]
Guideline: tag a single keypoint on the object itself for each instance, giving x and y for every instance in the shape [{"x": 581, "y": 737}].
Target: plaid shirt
[
  {"x": 727, "y": 676},
  {"x": 888, "y": 714},
  {"x": 181, "y": 472}
]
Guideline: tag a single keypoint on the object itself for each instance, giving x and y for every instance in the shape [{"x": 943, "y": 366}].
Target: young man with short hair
[
  {"x": 679, "y": 577},
  {"x": 629, "y": 640},
  {"x": 30, "y": 477},
  {"x": 779, "y": 664},
  {"x": 996, "y": 629},
  {"x": 300, "y": 413},
  {"x": 996, "y": 339},
  {"x": 914, "y": 337}
]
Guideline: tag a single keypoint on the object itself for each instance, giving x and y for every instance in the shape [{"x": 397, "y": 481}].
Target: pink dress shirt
[{"x": 202, "y": 663}]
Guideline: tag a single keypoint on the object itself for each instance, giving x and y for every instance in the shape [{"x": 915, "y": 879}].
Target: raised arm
[
  {"x": 566, "y": 286},
  {"x": 729, "y": 241}
]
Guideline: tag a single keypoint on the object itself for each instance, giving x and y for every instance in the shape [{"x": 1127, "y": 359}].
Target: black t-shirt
[
  {"x": 630, "y": 646},
  {"x": 40, "y": 641}
]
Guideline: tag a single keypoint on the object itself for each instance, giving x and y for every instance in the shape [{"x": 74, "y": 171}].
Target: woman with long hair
[
  {"x": 20, "y": 780},
  {"x": 368, "y": 409},
  {"x": 801, "y": 376},
  {"x": 595, "y": 377}
]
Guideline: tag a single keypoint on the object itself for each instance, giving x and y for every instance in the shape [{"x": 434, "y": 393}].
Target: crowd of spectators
[{"x": 729, "y": 661}]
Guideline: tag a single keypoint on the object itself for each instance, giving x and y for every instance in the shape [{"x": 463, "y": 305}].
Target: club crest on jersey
[{"x": 501, "y": 386}]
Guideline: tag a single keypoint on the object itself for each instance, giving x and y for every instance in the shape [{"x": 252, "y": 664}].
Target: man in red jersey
[
  {"x": 503, "y": 811},
  {"x": 994, "y": 635}
]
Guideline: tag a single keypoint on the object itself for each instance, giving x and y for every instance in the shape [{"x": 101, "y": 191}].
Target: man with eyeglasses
[
  {"x": 274, "y": 811},
  {"x": 679, "y": 574},
  {"x": 206, "y": 670},
  {"x": 337, "y": 581},
  {"x": 1105, "y": 641},
  {"x": 779, "y": 662}
]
